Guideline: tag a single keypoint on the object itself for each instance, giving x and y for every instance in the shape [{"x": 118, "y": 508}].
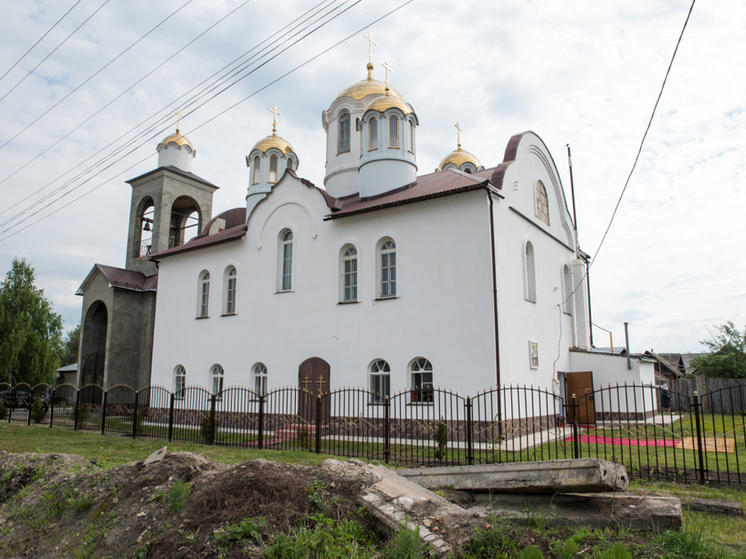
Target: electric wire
[
  {"x": 335, "y": 45},
  {"x": 53, "y": 50},
  {"x": 302, "y": 19},
  {"x": 115, "y": 99},
  {"x": 96, "y": 73},
  {"x": 39, "y": 41},
  {"x": 155, "y": 125}
]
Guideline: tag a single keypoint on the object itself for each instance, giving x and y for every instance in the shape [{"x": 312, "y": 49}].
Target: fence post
[
  {"x": 318, "y": 424},
  {"x": 213, "y": 401},
  {"x": 75, "y": 415},
  {"x": 386, "y": 430},
  {"x": 575, "y": 427},
  {"x": 30, "y": 405},
  {"x": 51, "y": 407},
  {"x": 700, "y": 442},
  {"x": 134, "y": 415},
  {"x": 171, "y": 407},
  {"x": 103, "y": 412},
  {"x": 469, "y": 431},
  {"x": 260, "y": 423}
]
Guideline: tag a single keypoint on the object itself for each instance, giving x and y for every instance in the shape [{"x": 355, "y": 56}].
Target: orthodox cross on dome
[
  {"x": 388, "y": 69},
  {"x": 371, "y": 42},
  {"x": 458, "y": 135},
  {"x": 276, "y": 113},
  {"x": 178, "y": 120}
]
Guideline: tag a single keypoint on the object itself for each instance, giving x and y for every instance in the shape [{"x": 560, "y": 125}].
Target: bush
[
  {"x": 207, "y": 430},
  {"x": 3, "y": 412},
  {"x": 82, "y": 415},
  {"x": 38, "y": 413},
  {"x": 177, "y": 495},
  {"x": 441, "y": 437}
]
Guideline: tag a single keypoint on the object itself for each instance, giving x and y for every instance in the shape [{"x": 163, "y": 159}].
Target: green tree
[
  {"x": 72, "y": 341},
  {"x": 30, "y": 330},
  {"x": 728, "y": 353}
]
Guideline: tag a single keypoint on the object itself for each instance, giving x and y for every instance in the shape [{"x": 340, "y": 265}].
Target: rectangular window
[
  {"x": 388, "y": 274},
  {"x": 230, "y": 298},
  {"x": 380, "y": 385},
  {"x": 350, "y": 287},
  {"x": 422, "y": 387}
]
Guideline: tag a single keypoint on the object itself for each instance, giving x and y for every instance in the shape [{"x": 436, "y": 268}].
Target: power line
[
  {"x": 4, "y": 236},
  {"x": 96, "y": 73},
  {"x": 39, "y": 41},
  {"x": 53, "y": 51},
  {"x": 162, "y": 119}
]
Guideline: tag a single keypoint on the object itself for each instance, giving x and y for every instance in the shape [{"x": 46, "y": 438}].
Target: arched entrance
[
  {"x": 314, "y": 375},
  {"x": 93, "y": 345}
]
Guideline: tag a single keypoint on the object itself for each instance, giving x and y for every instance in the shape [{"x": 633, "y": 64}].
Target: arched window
[
  {"x": 411, "y": 136},
  {"x": 290, "y": 163},
  {"x": 218, "y": 375},
  {"x": 386, "y": 268},
  {"x": 393, "y": 131},
  {"x": 542, "y": 202},
  {"x": 344, "y": 133},
  {"x": 421, "y": 372},
  {"x": 259, "y": 372},
  {"x": 372, "y": 134},
  {"x": 255, "y": 171},
  {"x": 179, "y": 381},
  {"x": 348, "y": 268},
  {"x": 529, "y": 273},
  {"x": 230, "y": 290},
  {"x": 204, "y": 295},
  {"x": 567, "y": 289},
  {"x": 380, "y": 381},
  {"x": 286, "y": 260},
  {"x": 272, "y": 169}
]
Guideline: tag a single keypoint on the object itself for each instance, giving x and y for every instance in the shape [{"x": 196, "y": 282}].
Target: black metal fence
[{"x": 632, "y": 424}]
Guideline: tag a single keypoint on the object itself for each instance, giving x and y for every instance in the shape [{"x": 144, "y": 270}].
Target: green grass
[{"x": 109, "y": 451}]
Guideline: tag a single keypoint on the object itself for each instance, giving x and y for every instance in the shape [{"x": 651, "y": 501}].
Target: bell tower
[{"x": 169, "y": 205}]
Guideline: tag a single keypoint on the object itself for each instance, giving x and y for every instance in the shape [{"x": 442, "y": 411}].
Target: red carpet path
[{"x": 593, "y": 439}]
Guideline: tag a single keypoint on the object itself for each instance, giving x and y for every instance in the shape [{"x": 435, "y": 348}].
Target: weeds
[
  {"x": 327, "y": 539},
  {"x": 407, "y": 545},
  {"x": 79, "y": 504},
  {"x": 249, "y": 529},
  {"x": 177, "y": 496}
]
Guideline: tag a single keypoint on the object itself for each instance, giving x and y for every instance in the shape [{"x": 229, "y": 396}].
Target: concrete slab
[
  {"x": 639, "y": 512},
  {"x": 584, "y": 475},
  {"x": 394, "y": 501}
]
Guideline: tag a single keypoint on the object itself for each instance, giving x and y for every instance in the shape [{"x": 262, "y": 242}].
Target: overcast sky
[{"x": 578, "y": 72}]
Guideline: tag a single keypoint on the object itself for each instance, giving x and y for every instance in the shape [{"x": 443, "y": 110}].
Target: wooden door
[
  {"x": 313, "y": 380},
  {"x": 581, "y": 385}
]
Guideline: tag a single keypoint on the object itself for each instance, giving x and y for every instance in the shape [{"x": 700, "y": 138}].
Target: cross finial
[
  {"x": 388, "y": 69},
  {"x": 371, "y": 42},
  {"x": 276, "y": 113},
  {"x": 458, "y": 135},
  {"x": 178, "y": 121}
]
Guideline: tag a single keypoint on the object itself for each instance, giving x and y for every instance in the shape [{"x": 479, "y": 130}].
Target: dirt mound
[{"x": 58, "y": 505}]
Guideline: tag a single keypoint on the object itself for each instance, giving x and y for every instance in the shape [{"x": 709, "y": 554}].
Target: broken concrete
[
  {"x": 157, "y": 456},
  {"x": 639, "y": 512},
  {"x": 394, "y": 501},
  {"x": 713, "y": 506},
  {"x": 584, "y": 475}
]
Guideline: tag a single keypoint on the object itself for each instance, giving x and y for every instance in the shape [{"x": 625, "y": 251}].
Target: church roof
[
  {"x": 433, "y": 185},
  {"x": 458, "y": 157},
  {"x": 122, "y": 279},
  {"x": 273, "y": 141},
  {"x": 177, "y": 139},
  {"x": 177, "y": 171},
  {"x": 233, "y": 227}
]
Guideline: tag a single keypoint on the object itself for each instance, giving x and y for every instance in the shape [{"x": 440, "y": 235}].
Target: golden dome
[
  {"x": 387, "y": 101},
  {"x": 458, "y": 157},
  {"x": 369, "y": 86},
  {"x": 273, "y": 141},
  {"x": 177, "y": 139}
]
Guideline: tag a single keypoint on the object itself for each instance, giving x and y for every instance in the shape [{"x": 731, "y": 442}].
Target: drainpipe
[
  {"x": 572, "y": 193},
  {"x": 493, "y": 261},
  {"x": 626, "y": 339}
]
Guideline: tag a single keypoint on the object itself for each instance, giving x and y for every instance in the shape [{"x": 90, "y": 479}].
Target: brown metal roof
[
  {"x": 434, "y": 185},
  {"x": 128, "y": 279}
]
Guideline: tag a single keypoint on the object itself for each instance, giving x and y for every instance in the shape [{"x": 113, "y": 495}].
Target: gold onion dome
[
  {"x": 388, "y": 101},
  {"x": 273, "y": 141},
  {"x": 458, "y": 157},
  {"x": 177, "y": 139},
  {"x": 369, "y": 86}
]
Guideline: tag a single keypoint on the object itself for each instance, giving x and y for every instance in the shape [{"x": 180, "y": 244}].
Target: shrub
[
  {"x": 82, "y": 415},
  {"x": 441, "y": 438},
  {"x": 3, "y": 412},
  {"x": 249, "y": 529},
  {"x": 38, "y": 413},
  {"x": 208, "y": 429}
]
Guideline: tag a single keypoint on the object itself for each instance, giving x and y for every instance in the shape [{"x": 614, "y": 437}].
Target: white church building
[{"x": 464, "y": 278}]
